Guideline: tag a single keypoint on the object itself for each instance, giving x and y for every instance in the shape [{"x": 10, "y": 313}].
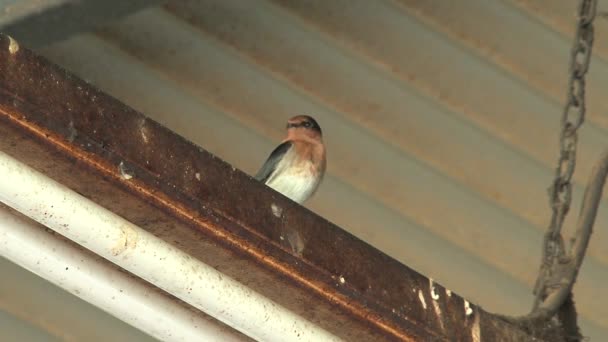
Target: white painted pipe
[
  {"x": 152, "y": 259},
  {"x": 95, "y": 281}
]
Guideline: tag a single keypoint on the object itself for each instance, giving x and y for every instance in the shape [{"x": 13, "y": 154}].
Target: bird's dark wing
[{"x": 273, "y": 160}]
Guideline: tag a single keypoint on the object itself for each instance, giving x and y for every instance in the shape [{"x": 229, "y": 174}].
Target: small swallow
[{"x": 296, "y": 167}]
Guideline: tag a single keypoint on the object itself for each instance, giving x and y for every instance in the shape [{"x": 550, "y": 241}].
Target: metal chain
[{"x": 560, "y": 192}]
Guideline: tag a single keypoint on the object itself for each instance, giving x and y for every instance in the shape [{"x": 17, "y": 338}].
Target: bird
[{"x": 296, "y": 167}]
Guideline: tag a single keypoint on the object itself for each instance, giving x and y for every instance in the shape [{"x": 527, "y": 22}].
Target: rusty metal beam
[{"x": 88, "y": 141}]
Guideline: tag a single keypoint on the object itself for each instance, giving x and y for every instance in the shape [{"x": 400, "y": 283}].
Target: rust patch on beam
[{"x": 137, "y": 168}]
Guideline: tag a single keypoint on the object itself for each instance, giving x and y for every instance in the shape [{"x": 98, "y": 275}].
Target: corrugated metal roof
[{"x": 441, "y": 119}]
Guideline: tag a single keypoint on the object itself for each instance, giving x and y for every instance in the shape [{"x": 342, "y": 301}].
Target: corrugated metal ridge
[
  {"x": 561, "y": 17},
  {"x": 479, "y": 41}
]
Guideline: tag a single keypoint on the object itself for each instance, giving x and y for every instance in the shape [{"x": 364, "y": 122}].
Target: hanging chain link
[{"x": 560, "y": 192}]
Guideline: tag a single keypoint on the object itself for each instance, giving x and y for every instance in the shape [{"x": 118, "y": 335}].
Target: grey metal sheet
[{"x": 36, "y": 23}]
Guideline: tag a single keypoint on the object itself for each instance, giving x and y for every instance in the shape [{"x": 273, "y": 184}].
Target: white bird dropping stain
[
  {"x": 467, "y": 308},
  {"x": 476, "y": 330},
  {"x": 197, "y": 176},
  {"x": 448, "y": 292},
  {"x": 342, "y": 280},
  {"x": 434, "y": 295},
  {"x": 142, "y": 130},
  {"x": 421, "y": 297},
  {"x": 13, "y": 46},
  {"x": 128, "y": 240},
  {"x": 276, "y": 210},
  {"x": 296, "y": 242},
  {"x": 124, "y": 173}
]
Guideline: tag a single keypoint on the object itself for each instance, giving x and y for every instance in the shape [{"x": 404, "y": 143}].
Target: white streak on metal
[
  {"x": 142, "y": 130},
  {"x": 435, "y": 297},
  {"x": 13, "y": 46},
  {"x": 124, "y": 172},
  {"x": 276, "y": 210},
  {"x": 100, "y": 230},
  {"x": 296, "y": 242},
  {"x": 448, "y": 292},
  {"x": 421, "y": 297},
  {"x": 476, "y": 330}
]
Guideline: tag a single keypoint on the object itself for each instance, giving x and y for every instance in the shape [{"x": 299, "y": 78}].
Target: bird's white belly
[{"x": 297, "y": 186}]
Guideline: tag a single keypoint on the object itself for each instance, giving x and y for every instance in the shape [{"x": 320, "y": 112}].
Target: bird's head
[{"x": 303, "y": 126}]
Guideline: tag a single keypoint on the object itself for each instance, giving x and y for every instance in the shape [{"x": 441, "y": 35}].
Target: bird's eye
[{"x": 306, "y": 124}]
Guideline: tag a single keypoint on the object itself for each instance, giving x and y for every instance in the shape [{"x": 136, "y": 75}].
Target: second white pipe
[{"x": 95, "y": 281}]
